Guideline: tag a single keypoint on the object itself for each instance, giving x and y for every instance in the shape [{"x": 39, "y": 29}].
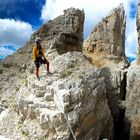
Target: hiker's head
[{"x": 37, "y": 40}]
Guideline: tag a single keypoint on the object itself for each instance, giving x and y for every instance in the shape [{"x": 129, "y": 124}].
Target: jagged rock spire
[{"x": 107, "y": 40}]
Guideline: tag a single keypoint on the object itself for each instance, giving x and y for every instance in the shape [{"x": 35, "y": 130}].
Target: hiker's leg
[
  {"x": 37, "y": 67},
  {"x": 47, "y": 62},
  {"x": 37, "y": 72}
]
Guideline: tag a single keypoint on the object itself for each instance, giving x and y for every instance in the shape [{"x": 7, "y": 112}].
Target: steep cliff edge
[{"x": 69, "y": 104}]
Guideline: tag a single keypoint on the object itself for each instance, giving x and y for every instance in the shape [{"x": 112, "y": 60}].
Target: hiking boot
[
  {"x": 48, "y": 72},
  {"x": 38, "y": 78}
]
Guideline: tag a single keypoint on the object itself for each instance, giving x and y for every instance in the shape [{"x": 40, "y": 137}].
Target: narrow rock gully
[{"x": 122, "y": 126}]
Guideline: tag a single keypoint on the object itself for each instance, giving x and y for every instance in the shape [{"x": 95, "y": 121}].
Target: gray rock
[
  {"x": 107, "y": 41},
  {"x": 1, "y": 109},
  {"x": 64, "y": 34},
  {"x": 23, "y": 66},
  {"x": 48, "y": 97},
  {"x": 105, "y": 48},
  {"x": 132, "y": 114},
  {"x": 40, "y": 93}
]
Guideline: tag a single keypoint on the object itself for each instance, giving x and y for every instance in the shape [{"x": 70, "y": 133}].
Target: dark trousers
[{"x": 39, "y": 61}]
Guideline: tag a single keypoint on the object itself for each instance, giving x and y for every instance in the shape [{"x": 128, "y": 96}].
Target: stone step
[
  {"x": 50, "y": 89},
  {"x": 34, "y": 83},
  {"x": 39, "y": 93},
  {"x": 38, "y": 104},
  {"x": 38, "y": 86},
  {"x": 31, "y": 109},
  {"x": 45, "y": 104},
  {"x": 49, "y": 97},
  {"x": 34, "y": 110},
  {"x": 51, "y": 118}
]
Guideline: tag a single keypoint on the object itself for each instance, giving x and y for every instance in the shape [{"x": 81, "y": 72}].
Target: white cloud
[
  {"x": 95, "y": 10},
  {"x": 4, "y": 51},
  {"x": 131, "y": 42},
  {"x": 131, "y": 38},
  {"x": 14, "y": 33}
]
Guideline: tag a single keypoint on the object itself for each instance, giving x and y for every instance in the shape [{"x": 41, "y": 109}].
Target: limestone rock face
[
  {"x": 105, "y": 48},
  {"x": 64, "y": 33},
  {"x": 132, "y": 101},
  {"x": 77, "y": 90},
  {"x": 107, "y": 41},
  {"x": 115, "y": 79}
]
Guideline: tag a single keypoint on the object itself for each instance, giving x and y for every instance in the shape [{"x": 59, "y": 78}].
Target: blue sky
[
  {"x": 133, "y": 9},
  {"x": 20, "y": 18},
  {"x": 24, "y": 10}
]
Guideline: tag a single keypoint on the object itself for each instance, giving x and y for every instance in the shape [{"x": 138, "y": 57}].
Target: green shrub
[
  {"x": 25, "y": 133},
  {"x": 17, "y": 88}
]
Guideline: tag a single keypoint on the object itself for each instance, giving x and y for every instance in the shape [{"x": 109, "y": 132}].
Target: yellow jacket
[{"x": 36, "y": 53}]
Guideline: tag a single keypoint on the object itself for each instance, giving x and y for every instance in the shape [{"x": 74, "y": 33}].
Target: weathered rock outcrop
[
  {"x": 107, "y": 41},
  {"x": 105, "y": 48},
  {"x": 132, "y": 114},
  {"x": 78, "y": 90},
  {"x": 64, "y": 33},
  {"x": 35, "y": 109}
]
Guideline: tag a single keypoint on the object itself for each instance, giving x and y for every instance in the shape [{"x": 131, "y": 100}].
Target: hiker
[{"x": 39, "y": 57}]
